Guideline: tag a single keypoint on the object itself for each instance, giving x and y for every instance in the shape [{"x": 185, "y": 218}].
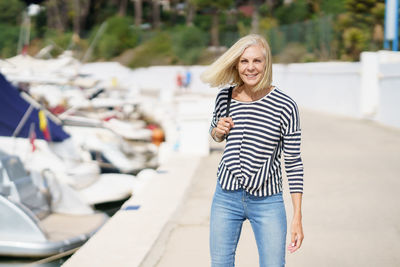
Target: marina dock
[{"x": 351, "y": 215}]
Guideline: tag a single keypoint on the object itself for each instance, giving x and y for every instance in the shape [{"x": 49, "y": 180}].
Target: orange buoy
[{"x": 157, "y": 136}]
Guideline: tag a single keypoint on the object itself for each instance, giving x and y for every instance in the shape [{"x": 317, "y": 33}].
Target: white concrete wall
[
  {"x": 367, "y": 89},
  {"x": 332, "y": 87},
  {"x": 388, "y": 111}
]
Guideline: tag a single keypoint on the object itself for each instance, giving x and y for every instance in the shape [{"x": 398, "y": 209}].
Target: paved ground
[{"x": 351, "y": 211}]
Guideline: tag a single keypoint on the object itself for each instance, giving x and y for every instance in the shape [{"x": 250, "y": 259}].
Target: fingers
[
  {"x": 220, "y": 132},
  {"x": 230, "y": 120},
  {"x": 224, "y": 125},
  {"x": 292, "y": 244},
  {"x": 299, "y": 241},
  {"x": 296, "y": 241}
]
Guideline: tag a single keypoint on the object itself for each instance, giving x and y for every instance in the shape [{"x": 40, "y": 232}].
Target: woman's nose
[{"x": 250, "y": 66}]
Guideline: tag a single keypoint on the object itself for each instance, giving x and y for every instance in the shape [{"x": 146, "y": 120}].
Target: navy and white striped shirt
[{"x": 262, "y": 129}]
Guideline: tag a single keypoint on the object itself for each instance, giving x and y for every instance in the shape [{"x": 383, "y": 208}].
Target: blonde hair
[{"x": 223, "y": 71}]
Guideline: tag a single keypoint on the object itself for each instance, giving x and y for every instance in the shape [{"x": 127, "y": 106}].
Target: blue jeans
[{"x": 267, "y": 217}]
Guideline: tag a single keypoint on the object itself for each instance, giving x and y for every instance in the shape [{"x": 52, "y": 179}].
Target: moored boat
[{"x": 28, "y": 226}]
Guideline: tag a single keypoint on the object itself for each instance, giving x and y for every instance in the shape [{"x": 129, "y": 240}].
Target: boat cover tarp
[{"x": 13, "y": 108}]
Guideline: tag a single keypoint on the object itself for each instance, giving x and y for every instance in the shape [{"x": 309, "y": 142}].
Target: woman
[{"x": 263, "y": 121}]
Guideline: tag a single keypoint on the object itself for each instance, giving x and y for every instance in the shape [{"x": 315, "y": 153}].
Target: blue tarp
[{"x": 13, "y": 108}]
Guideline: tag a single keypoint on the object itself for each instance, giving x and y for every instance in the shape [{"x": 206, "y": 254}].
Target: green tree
[
  {"x": 123, "y": 4},
  {"x": 296, "y": 11},
  {"x": 189, "y": 42},
  {"x": 8, "y": 40},
  {"x": 80, "y": 13},
  {"x": 214, "y": 8},
  {"x": 118, "y": 36},
  {"x": 156, "y": 14},
  {"x": 11, "y": 11},
  {"x": 10, "y": 18},
  {"x": 360, "y": 27},
  {"x": 57, "y": 14},
  {"x": 138, "y": 12},
  {"x": 159, "y": 47},
  {"x": 333, "y": 7}
]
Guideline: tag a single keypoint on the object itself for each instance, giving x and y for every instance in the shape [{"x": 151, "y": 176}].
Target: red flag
[
  {"x": 32, "y": 136},
  {"x": 24, "y": 50}
]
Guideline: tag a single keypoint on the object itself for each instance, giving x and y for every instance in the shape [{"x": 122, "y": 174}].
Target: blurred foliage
[
  {"x": 294, "y": 12},
  {"x": 268, "y": 23},
  {"x": 213, "y": 4},
  {"x": 378, "y": 12},
  {"x": 229, "y": 28},
  {"x": 61, "y": 40},
  {"x": 276, "y": 39},
  {"x": 202, "y": 21},
  {"x": 182, "y": 45},
  {"x": 100, "y": 11},
  {"x": 207, "y": 57},
  {"x": 118, "y": 36},
  {"x": 8, "y": 40},
  {"x": 354, "y": 42},
  {"x": 359, "y": 28},
  {"x": 315, "y": 36},
  {"x": 10, "y": 17},
  {"x": 11, "y": 11},
  {"x": 189, "y": 41},
  {"x": 294, "y": 52},
  {"x": 333, "y": 7},
  {"x": 39, "y": 24},
  {"x": 215, "y": 9},
  {"x": 160, "y": 49},
  {"x": 171, "y": 18},
  {"x": 243, "y": 29},
  {"x": 243, "y": 25}
]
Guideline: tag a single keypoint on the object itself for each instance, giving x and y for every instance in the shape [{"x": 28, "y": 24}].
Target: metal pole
[
  {"x": 23, "y": 120},
  {"x": 386, "y": 44},
  {"x": 96, "y": 37},
  {"x": 395, "y": 44},
  {"x": 391, "y": 12}
]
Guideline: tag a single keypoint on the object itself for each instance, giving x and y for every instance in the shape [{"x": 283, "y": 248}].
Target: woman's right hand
[{"x": 223, "y": 128}]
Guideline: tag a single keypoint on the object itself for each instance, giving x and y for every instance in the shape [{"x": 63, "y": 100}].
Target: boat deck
[{"x": 59, "y": 227}]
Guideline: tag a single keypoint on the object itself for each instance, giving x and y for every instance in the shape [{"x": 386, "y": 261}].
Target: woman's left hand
[{"x": 297, "y": 235}]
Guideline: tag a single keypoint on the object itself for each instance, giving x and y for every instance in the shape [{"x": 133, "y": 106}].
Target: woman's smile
[{"x": 251, "y": 76}]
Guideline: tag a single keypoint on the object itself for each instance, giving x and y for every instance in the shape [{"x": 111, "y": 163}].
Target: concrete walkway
[
  {"x": 128, "y": 236},
  {"x": 351, "y": 205}
]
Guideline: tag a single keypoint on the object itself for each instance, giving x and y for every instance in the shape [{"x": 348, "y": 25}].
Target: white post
[{"x": 369, "y": 84}]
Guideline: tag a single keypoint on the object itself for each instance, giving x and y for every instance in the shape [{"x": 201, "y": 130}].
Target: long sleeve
[
  {"x": 219, "y": 108},
  {"x": 214, "y": 120},
  {"x": 291, "y": 148}
]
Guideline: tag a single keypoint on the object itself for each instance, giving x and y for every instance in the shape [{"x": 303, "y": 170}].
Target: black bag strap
[{"x": 228, "y": 104}]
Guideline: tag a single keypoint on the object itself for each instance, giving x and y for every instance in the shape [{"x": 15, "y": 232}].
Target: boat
[
  {"x": 28, "y": 225},
  {"x": 21, "y": 126},
  {"x": 113, "y": 153},
  {"x": 69, "y": 168}
]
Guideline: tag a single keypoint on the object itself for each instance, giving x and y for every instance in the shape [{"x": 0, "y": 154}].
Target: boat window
[{"x": 14, "y": 168}]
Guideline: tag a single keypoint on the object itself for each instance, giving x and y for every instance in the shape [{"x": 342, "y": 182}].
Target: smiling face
[{"x": 251, "y": 65}]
